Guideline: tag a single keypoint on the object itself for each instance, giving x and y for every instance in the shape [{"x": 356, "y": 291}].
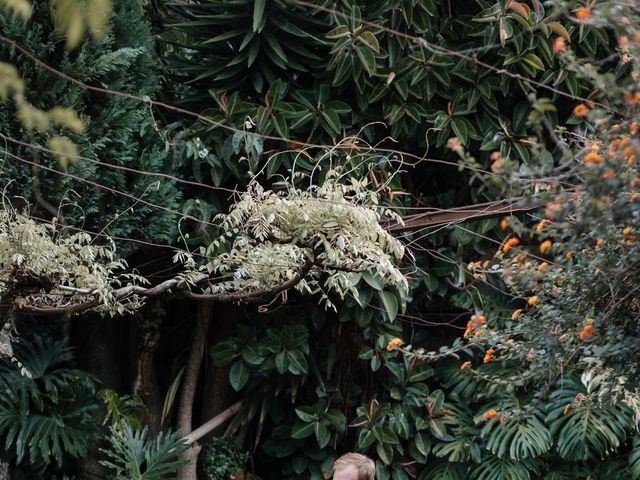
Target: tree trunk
[
  {"x": 102, "y": 352},
  {"x": 189, "y": 387},
  {"x": 217, "y": 393},
  {"x": 145, "y": 385}
]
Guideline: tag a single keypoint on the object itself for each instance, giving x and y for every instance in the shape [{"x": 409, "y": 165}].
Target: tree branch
[{"x": 214, "y": 423}]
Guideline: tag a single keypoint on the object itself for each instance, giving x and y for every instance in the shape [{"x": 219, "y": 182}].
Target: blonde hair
[{"x": 366, "y": 467}]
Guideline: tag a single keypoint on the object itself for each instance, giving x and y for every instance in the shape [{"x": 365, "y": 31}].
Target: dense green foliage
[
  {"x": 46, "y": 409},
  {"x": 221, "y": 459},
  {"x": 341, "y": 73},
  {"x": 433, "y": 105},
  {"x": 118, "y": 132}
]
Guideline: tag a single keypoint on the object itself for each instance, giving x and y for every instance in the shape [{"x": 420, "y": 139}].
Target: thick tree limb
[
  {"x": 214, "y": 423},
  {"x": 465, "y": 214}
]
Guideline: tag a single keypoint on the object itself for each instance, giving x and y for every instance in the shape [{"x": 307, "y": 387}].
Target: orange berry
[
  {"x": 504, "y": 224},
  {"x": 607, "y": 175},
  {"x": 543, "y": 266},
  {"x": 465, "y": 365},
  {"x": 516, "y": 314},
  {"x": 533, "y": 300},
  {"x": 559, "y": 45}
]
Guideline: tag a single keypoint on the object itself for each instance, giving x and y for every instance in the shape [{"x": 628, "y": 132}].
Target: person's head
[{"x": 353, "y": 466}]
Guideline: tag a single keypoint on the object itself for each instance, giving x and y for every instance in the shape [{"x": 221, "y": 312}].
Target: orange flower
[
  {"x": 533, "y": 300},
  {"x": 568, "y": 255},
  {"x": 583, "y": 13},
  {"x": 540, "y": 226},
  {"x": 543, "y": 266},
  {"x": 559, "y": 45},
  {"x": 469, "y": 329},
  {"x": 465, "y": 365},
  {"x": 488, "y": 355},
  {"x": 587, "y": 330},
  {"x": 509, "y": 244},
  {"x": 478, "y": 320},
  {"x": 580, "y": 110},
  {"x": 633, "y": 128},
  {"x": 551, "y": 208},
  {"x": 599, "y": 244},
  {"x": 454, "y": 144},
  {"x": 627, "y": 231},
  {"x": 592, "y": 157},
  {"x": 516, "y": 314},
  {"x": 394, "y": 343},
  {"x": 504, "y": 224},
  {"x": 566, "y": 409},
  {"x": 634, "y": 197},
  {"x": 496, "y": 165},
  {"x": 545, "y": 246},
  {"x": 489, "y": 414},
  {"x": 607, "y": 175}
]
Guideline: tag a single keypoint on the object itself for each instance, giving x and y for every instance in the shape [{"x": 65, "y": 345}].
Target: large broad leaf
[
  {"x": 238, "y": 375},
  {"x": 518, "y": 439},
  {"x": 634, "y": 459},
  {"x": 258, "y": 13},
  {"x": 587, "y": 431},
  {"x": 444, "y": 471},
  {"x": 494, "y": 468},
  {"x": 390, "y": 303}
]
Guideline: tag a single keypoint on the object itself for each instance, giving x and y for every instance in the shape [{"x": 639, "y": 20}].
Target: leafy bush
[
  {"x": 45, "y": 414},
  {"x": 221, "y": 459}
]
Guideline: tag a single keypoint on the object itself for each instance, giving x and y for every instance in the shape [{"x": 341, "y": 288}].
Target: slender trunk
[
  {"x": 189, "y": 387},
  {"x": 145, "y": 385},
  {"x": 217, "y": 393}
]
